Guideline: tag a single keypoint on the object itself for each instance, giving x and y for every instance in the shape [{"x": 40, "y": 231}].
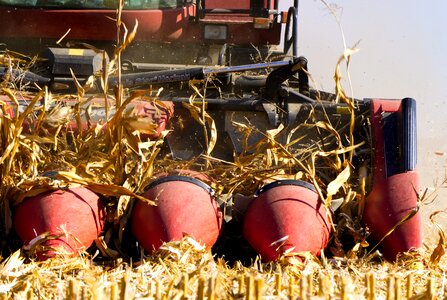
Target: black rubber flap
[
  {"x": 408, "y": 134},
  {"x": 192, "y": 180},
  {"x": 277, "y": 183},
  {"x": 83, "y": 62}
]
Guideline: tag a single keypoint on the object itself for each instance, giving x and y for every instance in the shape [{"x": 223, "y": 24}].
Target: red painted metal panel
[
  {"x": 228, "y": 4},
  {"x": 391, "y": 200},
  {"x": 168, "y": 24},
  {"x": 165, "y": 25}
]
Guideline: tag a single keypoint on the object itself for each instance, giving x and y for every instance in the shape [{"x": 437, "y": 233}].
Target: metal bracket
[
  {"x": 272, "y": 113},
  {"x": 280, "y": 75},
  {"x": 279, "y": 95},
  {"x": 292, "y": 111}
]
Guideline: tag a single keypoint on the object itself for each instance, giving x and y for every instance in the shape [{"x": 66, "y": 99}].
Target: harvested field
[{"x": 184, "y": 270}]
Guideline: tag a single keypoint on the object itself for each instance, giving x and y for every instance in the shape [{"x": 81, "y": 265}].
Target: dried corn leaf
[
  {"x": 338, "y": 182},
  {"x": 203, "y": 118},
  {"x": 105, "y": 250},
  {"x": 441, "y": 246},
  {"x": 128, "y": 37},
  {"x": 103, "y": 189}
]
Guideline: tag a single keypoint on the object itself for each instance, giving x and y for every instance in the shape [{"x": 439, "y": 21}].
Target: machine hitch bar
[
  {"x": 185, "y": 74},
  {"x": 129, "y": 80}
]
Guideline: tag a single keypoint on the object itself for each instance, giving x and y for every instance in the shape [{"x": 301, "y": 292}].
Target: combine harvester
[{"x": 254, "y": 82}]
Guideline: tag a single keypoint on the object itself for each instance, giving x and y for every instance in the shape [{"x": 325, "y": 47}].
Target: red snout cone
[
  {"x": 73, "y": 218},
  {"x": 185, "y": 205},
  {"x": 286, "y": 216}
]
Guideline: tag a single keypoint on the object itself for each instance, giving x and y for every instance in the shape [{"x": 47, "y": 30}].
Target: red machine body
[
  {"x": 162, "y": 26},
  {"x": 392, "y": 203},
  {"x": 169, "y": 24}
]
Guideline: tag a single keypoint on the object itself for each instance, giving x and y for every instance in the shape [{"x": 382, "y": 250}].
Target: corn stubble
[
  {"x": 185, "y": 270},
  {"x": 111, "y": 159}
]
